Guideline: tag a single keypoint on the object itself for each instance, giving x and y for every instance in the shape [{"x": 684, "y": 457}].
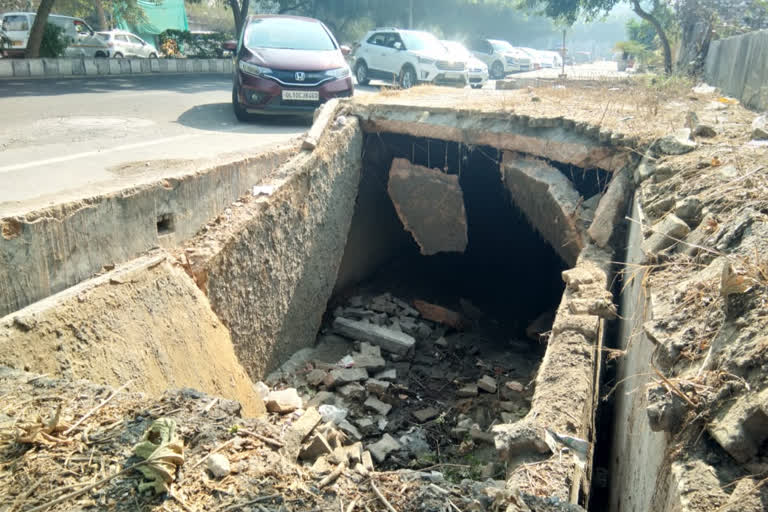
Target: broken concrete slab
[
  {"x": 760, "y": 127},
  {"x": 549, "y": 201},
  {"x": 389, "y": 340},
  {"x": 352, "y": 391},
  {"x": 342, "y": 376},
  {"x": 283, "y": 401},
  {"x": 383, "y": 447},
  {"x": 677, "y": 143},
  {"x": 427, "y": 414},
  {"x": 666, "y": 233},
  {"x": 377, "y": 406},
  {"x": 611, "y": 209},
  {"x": 430, "y": 204},
  {"x": 389, "y": 374},
  {"x": 742, "y": 427},
  {"x": 487, "y": 384},
  {"x": 377, "y": 387},
  {"x": 299, "y": 431},
  {"x": 468, "y": 391},
  {"x": 316, "y": 447}
]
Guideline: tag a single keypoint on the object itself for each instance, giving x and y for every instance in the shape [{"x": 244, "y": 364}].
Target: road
[{"x": 62, "y": 138}]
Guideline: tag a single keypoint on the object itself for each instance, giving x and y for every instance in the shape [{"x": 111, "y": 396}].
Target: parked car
[
  {"x": 124, "y": 44},
  {"x": 5, "y": 43},
  {"x": 501, "y": 57},
  {"x": 82, "y": 39},
  {"x": 409, "y": 57},
  {"x": 538, "y": 61},
  {"x": 477, "y": 71},
  {"x": 287, "y": 65},
  {"x": 552, "y": 59}
]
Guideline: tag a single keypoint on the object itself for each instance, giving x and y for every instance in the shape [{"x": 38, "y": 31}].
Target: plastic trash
[
  {"x": 346, "y": 362},
  {"x": 332, "y": 413}
]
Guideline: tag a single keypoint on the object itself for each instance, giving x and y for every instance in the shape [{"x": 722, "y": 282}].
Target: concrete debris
[
  {"x": 316, "y": 377},
  {"x": 439, "y": 314},
  {"x": 515, "y": 386},
  {"x": 468, "y": 391},
  {"x": 352, "y": 391},
  {"x": 261, "y": 389},
  {"x": 760, "y": 128},
  {"x": 377, "y": 387},
  {"x": 283, "y": 401},
  {"x": 377, "y": 406},
  {"x": 321, "y": 398},
  {"x": 332, "y": 413},
  {"x": 519, "y": 439},
  {"x": 677, "y": 143},
  {"x": 381, "y": 449},
  {"x": 389, "y": 340},
  {"x": 299, "y": 431},
  {"x": 218, "y": 465},
  {"x": 666, "y": 233},
  {"x": 430, "y": 204},
  {"x": 689, "y": 209},
  {"x": 390, "y": 374},
  {"x": 487, "y": 384},
  {"x": 742, "y": 427},
  {"x": 316, "y": 447},
  {"x": 342, "y": 376},
  {"x": 704, "y": 130},
  {"x": 666, "y": 411},
  {"x": 427, "y": 414},
  {"x": 350, "y": 430}
]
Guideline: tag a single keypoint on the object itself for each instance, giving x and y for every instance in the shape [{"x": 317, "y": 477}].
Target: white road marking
[{"x": 85, "y": 154}]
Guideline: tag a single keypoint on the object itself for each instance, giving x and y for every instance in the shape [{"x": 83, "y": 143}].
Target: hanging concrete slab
[
  {"x": 430, "y": 205},
  {"x": 549, "y": 201}
]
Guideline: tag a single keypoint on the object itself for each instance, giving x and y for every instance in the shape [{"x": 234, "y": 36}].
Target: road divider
[{"x": 66, "y": 67}]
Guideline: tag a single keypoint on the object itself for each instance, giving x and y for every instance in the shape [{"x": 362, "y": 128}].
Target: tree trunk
[
  {"x": 659, "y": 31},
  {"x": 38, "y": 28},
  {"x": 100, "y": 15}
]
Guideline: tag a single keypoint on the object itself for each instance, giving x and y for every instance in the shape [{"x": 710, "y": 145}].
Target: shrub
[
  {"x": 54, "y": 41},
  {"x": 182, "y": 43}
]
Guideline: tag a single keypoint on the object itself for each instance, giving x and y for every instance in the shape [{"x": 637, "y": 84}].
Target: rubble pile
[{"x": 406, "y": 389}]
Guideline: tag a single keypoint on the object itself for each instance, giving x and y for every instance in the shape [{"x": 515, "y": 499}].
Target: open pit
[{"x": 425, "y": 299}]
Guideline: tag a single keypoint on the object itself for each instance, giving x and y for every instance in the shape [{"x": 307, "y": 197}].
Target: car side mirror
[
  {"x": 345, "y": 50},
  {"x": 229, "y": 45}
]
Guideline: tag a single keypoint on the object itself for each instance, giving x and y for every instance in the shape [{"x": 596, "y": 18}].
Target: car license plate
[
  {"x": 453, "y": 76},
  {"x": 301, "y": 95},
  {"x": 17, "y": 43}
]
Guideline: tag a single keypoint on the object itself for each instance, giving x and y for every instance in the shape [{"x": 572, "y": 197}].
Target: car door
[
  {"x": 16, "y": 27},
  {"x": 140, "y": 48},
  {"x": 392, "y": 55},
  {"x": 122, "y": 45},
  {"x": 373, "y": 52}
]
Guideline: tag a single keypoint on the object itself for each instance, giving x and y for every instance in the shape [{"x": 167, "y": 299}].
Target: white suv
[
  {"x": 408, "y": 57},
  {"x": 501, "y": 57}
]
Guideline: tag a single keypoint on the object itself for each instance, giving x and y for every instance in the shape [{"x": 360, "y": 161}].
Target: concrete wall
[
  {"x": 82, "y": 67},
  {"x": 638, "y": 451},
  {"x": 376, "y": 235},
  {"x": 45, "y": 251},
  {"x": 145, "y": 322},
  {"x": 269, "y": 269},
  {"x": 739, "y": 66}
]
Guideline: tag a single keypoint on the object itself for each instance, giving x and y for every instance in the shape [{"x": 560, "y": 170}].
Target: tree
[
  {"x": 570, "y": 10},
  {"x": 38, "y": 29}
]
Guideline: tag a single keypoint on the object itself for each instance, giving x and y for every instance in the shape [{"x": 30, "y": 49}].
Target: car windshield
[
  {"x": 287, "y": 33},
  {"x": 421, "y": 41},
  {"x": 457, "y": 49},
  {"x": 502, "y": 46}
]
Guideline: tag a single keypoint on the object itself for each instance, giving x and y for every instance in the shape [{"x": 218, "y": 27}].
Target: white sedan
[{"x": 477, "y": 71}]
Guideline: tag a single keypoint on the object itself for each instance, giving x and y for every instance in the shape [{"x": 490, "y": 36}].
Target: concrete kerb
[{"x": 82, "y": 67}]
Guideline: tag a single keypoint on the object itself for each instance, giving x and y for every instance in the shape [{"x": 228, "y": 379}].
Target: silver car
[{"x": 124, "y": 44}]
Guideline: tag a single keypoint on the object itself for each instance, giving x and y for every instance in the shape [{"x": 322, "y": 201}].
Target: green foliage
[
  {"x": 129, "y": 10},
  {"x": 54, "y": 41},
  {"x": 198, "y": 46}
]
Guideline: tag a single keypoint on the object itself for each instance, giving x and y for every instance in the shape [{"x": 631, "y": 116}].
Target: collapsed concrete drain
[{"x": 432, "y": 339}]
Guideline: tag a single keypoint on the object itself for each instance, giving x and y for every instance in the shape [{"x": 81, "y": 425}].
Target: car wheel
[
  {"x": 240, "y": 113},
  {"x": 477, "y": 86},
  {"x": 361, "y": 73},
  {"x": 118, "y": 55},
  {"x": 497, "y": 70},
  {"x": 100, "y": 55},
  {"x": 153, "y": 55},
  {"x": 407, "y": 77}
]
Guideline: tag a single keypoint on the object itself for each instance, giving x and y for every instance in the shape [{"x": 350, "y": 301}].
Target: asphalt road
[{"x": 61, "y": 138}]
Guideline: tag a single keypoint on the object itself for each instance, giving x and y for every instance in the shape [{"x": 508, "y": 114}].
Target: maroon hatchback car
[{"x": 287, "y": 65}]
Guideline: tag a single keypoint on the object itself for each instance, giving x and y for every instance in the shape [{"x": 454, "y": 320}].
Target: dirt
[{"x": 145, "y": 325}]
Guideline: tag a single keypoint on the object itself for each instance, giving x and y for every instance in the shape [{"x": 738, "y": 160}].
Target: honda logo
[{"x": 300, "y": 76}]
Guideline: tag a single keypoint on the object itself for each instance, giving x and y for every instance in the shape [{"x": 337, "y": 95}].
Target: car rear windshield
[{"x": 287, "y": 33}]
